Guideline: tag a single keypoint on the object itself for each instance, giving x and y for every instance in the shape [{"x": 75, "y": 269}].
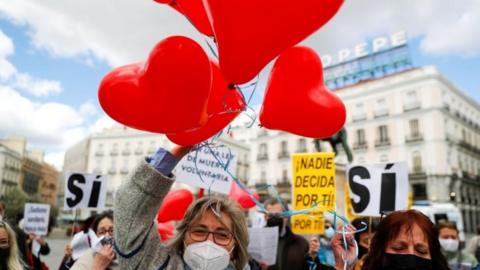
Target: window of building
[
  {"x": 383, "y": 133},
  {"x": 301, "y": 145},
  {"x": 361, "y": 137},
  {"x": 262, "y": 152},
  {"x": 419, "y": 191},
  {"x": 417, "y": 162},
  {"x": 284, "y": 147},
  {"x": 414, "y": 128},
  {"x": 285, "y": 176},
  {"x": 263, "y": 176}
]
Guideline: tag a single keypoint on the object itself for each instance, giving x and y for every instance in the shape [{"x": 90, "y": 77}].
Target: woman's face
[
  {"x": 4, "y": 244},
  {"x": 208, "y": 227},
  {"x": 105, "y": 227},
  {"x": 412, "y": 242}
]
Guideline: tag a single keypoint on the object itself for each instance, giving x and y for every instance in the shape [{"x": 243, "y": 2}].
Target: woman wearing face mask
[
  {"x": 8, "y": 249},
  {"x": 449, "y": 241},
  {"x": 212, "y": 235},
  {"x": 325, "y": 253},
  {"x": 101, "y": 256},
  {"x": 405, "y": 240},
  {"x": 367, "y": 227}
]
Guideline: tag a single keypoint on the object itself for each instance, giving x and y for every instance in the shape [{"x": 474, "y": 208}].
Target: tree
[{"x": 15, "y": 201}]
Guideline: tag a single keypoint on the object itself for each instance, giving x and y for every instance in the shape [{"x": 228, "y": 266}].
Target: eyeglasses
[
  {"x": 220, "y": 237},
  {"x": 103, "y": 231}
]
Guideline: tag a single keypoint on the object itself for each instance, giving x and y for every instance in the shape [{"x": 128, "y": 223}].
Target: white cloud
[
  {"x": 51, "y": 125},
  {"x": 55, "y": 159},
  {"x": 11, "y": 76},
  {"x": 123, "y": 31},
  {"x": 36, "y": 87},
  {"x": 88, "y": 109}
]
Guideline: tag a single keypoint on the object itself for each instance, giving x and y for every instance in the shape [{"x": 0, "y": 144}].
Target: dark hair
[
  {"x": 271, "y": 201},
  {"x": 87, "y": 224},
  {"x": 99, "y": 217},
  {"x": 361, "y": 222},
  {"x": 447, "y": 225},
  {"x": 389, "y": 228},
  {"x": 478, "y": 229}
]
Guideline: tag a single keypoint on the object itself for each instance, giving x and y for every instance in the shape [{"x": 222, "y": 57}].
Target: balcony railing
[
  {"x": 382, "y": 142},
  {"x": 414, "y": 138},
  {"x": 138, "y": 151},
  {"x": 261, "y": 157},
  {"x": 114, "y": 152},
  {"x": 359, "y": 117},
  {"x": 124, "y": 170},
  {"x": 126, "y": 152},
  {"x": 410, "y": 106},
  {"x": 99, "y": 153},
  {"x": 112, "y": 171},
  {"x": 360, "y": 145},
  {"x": 283, "y": 154},
  {"x": 381, "y": 112}
]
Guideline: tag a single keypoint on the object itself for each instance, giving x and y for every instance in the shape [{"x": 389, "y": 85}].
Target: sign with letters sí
[
  {"x": 313, "y": 185},
  {"x": 36, "y": 218},
  {"x": 85, "y": 191},
  {"x": 208, "y": 168},
  {"x": 379, "y": 188}
]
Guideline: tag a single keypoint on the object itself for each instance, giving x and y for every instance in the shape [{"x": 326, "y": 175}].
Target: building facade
[
  {"x": 49, "y": 184},
  {"x": 115, "y": 152},
  {"x": 10, "y": 168},
  {"x": 416, "y": 116}
]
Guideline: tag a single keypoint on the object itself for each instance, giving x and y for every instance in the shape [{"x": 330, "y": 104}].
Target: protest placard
[
  {"x": 36, "y": 218},
  {"x": 85, "y": 191},
  {"x": 208, "y": 170},
  {"x": 378, "y": 188},
  {"x": 313, "y": 185},
  {"x": 263, "y": 244}
]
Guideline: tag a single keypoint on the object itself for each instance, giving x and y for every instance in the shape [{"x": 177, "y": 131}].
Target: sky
[{"x": 53, "y": 54}]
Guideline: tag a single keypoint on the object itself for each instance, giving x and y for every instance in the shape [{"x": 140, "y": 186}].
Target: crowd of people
[{"x": 214, "y": 235}]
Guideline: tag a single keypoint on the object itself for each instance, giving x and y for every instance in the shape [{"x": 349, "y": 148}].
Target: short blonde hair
[
  {"x": 219, "y": 205},
  {"x": 13, "y": 262}
]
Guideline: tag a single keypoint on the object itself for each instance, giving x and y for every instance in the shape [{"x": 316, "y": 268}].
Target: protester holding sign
[
  {"x": 8, "y": 248},
  {"x": 102, "y": 255},
  {"x": 312, "y": 258},
  {"x": 405, "y": 240},
  {"x": 212, "y": 235},
  {"x": 37, "y": 246},
  {"x": 450, "y": 243}
]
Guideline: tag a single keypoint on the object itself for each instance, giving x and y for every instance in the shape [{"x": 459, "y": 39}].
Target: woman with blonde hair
[
  {"x": 9, "y": 259},
  {"x": 212, "y": 236}
]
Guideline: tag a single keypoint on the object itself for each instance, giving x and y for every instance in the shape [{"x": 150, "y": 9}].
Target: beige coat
[{"x": 86, "y": 262}]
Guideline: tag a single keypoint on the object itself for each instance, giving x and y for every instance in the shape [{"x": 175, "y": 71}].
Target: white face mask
[
  {"x": 329, "y": 233},
  {"x": 449, "y": 244},
  {"x": 206, "y": 255}
]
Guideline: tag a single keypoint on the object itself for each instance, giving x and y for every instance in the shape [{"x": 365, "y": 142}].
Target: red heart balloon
[
  {"x": 224, "y": 104},
  {"x": 241, "y": 197},
  {"x": 174, "y": 205},
  {"x": 296, "y": 99},
  {"x": 194, "y": 11},
  {"x": 165, "y": 230},
  {"x": 168, "y": 94},
  {"x": 250, "y": 33}
]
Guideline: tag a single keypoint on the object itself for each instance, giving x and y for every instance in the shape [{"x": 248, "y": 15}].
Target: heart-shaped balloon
[
  {"x": 224, "y": 104},
  {"x": 194, "y": 11},
  {"x": 296, "y": 99},
  {"x": 174, "y": 205},
  {"x": 165, "y": 230},
  {"x": 250, "y": 33},
  {"x": 242, "y": 197},
  {"x": 167, "y": 94}
]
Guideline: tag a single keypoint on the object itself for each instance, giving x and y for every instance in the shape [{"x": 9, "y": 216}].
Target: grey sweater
[{"x": 136, "y": 205}]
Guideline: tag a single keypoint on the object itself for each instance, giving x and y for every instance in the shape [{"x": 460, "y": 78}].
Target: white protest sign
[
  {"x": 85, "y": 191},
  {"x": 36, "y": 217},
  {"x": 202, "y": 169},
  {"x": 379, "y": 188},
  {"x": 263, "y": 244},
  {"x": 81, "y": 243}
]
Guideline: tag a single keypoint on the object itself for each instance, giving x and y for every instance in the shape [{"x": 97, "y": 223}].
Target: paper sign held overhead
[
  {"x": 202, "y": 169},
  {"x": 36, "y": 218},
  {"x": 313, "y": 184},
  {"x": 379, "y": 188},
  {"x": 85, "y": 191}
]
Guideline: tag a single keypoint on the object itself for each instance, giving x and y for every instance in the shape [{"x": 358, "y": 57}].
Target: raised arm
[{"x": 136, "y": 205}]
